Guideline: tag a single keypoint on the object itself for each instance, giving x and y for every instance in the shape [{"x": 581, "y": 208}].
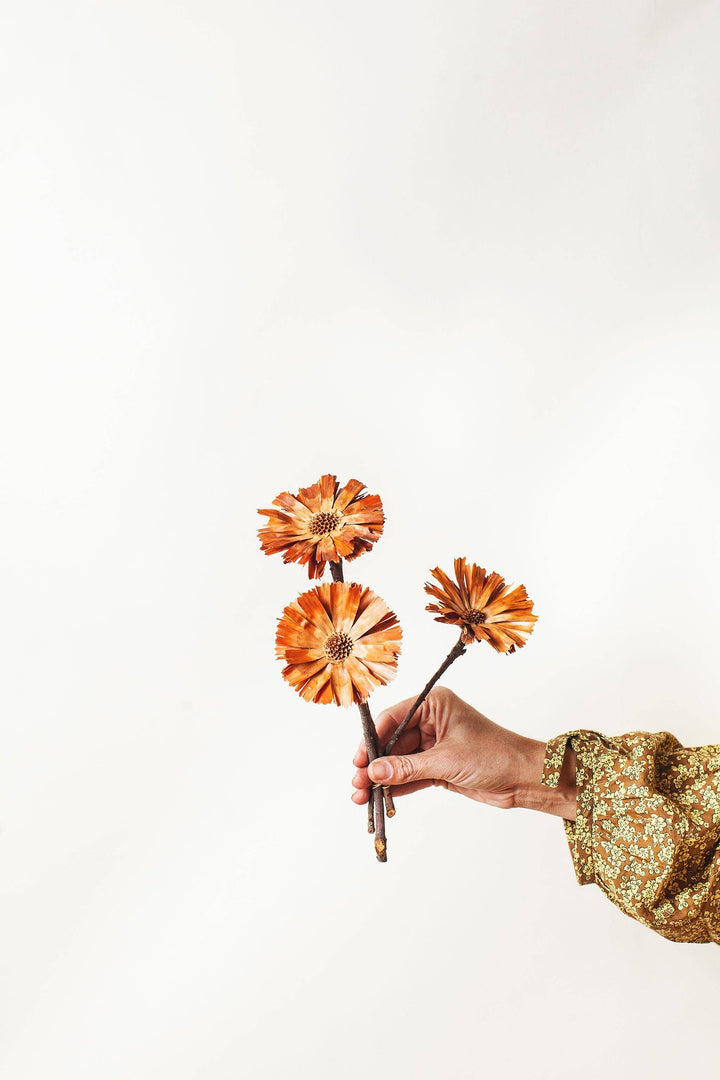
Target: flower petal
[
  {"x": 344, "y": 545},
  {"x": 319, "y": 687},
  {"x": 344, "y": 600},
  {"x": 315, "y": 604},
  {"x": 311, "y": 498},
  {"x": 370, "y": 614},
  {"x": 449, "y": 588},
  {"x": 492, "y": 587},
  {"x": 508, "y": 612},
  {"x": 293, "y": 505},
  {"x": 348, "y": 494},
  {"x": 383, "y": 672},
  {"x": 362, "y": 680},
  {"x": 342, "y": 685},
  {"x": 298, "y": 674},
  {"x": 288, "y": 528}
]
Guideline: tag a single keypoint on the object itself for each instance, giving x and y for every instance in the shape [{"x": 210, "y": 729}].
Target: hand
[{"x": 449, "y": 744}]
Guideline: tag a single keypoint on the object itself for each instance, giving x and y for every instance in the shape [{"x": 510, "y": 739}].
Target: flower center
[
  {"x": 474, "y": 616},
  {"x": 324, "y": 523},
  {"x": 338, "y": 647}
]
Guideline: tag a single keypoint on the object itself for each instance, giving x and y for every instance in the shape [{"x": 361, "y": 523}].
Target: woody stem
[
  {"x": 379, "y": 797},
  {"x": 457, "y": 650},
  {"x": 376, "y": 792},
  {"x": 372, "y": 747}
]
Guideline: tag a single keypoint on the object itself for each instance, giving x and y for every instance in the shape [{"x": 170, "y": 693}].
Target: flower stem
[
  {"x": 372, "y": 747},
  {"x": 376, "y": 792},
  {"x": 457, "y": 650},
  {"x": 389, "y": 804},
  {"x": 336, "y": 570}
]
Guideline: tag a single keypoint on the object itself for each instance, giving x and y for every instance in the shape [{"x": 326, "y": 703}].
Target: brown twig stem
[
  {"x": 370, "y": 735},
  {"x": 376, "y": 793},
  {"x": 380, "y": 840},
  {"x": 457, "y": 650},
  {"x": 389, "y": 804},
  {"x": 336, "y": 569}
]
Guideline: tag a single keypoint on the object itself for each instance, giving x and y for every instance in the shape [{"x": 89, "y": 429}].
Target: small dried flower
[
  {"x": 340, "y": 641},
  {"x": 483, "y": 605},
  {"x": 323, "y": 523}
]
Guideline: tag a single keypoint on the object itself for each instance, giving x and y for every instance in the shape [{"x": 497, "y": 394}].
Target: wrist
[{"x": 530, "y": 794}]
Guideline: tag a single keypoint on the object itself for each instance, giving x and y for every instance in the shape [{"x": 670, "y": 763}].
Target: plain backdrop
[{"x": 467, "y": 253}]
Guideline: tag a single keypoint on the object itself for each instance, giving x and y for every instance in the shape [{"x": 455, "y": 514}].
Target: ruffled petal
[
  {"x": 342, "y": 685},
  {"x": 316, "y": 606},
  {"x": 369, "y": 617},
  {"x": 298, "y": 674},
  {"x": 311, "y": 498},
  {"x": 293, "y": 505},
  {"x": 348, "y": 494},
  {"x": 362, "y": 679},
  {"x": 328, "y": 486},
  {"x": 344, "y": 600}
]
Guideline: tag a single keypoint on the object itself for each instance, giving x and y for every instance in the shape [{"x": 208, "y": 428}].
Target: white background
[{"x": 466, "y": 252}]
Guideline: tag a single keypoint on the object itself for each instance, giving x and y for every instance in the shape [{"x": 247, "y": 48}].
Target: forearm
[{"x": 530, "y": 794}]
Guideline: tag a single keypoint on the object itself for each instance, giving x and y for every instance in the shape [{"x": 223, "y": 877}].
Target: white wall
[{"x": 468, "y": 253}]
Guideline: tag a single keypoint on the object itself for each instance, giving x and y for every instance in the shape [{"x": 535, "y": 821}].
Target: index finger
[{"x": 386, "y": 724}]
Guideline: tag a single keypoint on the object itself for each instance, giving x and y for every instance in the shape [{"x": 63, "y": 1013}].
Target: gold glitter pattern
[{"x": 648, "y": 826}]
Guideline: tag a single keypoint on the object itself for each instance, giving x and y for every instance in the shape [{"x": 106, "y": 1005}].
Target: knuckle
[
  {"x": 403, "y": 770},
  {"x": 442, "y": 694}
]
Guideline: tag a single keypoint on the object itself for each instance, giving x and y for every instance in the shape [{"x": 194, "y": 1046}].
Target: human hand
[{"x": 450, "y": 744}]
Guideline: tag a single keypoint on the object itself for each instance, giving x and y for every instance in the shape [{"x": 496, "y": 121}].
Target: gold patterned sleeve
[{"x": 647, "y": 829}]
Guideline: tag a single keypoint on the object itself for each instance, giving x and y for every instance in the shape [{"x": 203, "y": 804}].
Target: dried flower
[
  {"x": 340, "y": 641},
  {"x": 323, "y": 523},
  {"x": 483, "y": 605}
]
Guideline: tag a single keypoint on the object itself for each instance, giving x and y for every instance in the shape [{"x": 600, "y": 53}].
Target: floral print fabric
[{"x": 648, "y": 826}]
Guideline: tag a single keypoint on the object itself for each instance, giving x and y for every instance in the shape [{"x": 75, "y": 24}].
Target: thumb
[{"x": 429, "y": 765}]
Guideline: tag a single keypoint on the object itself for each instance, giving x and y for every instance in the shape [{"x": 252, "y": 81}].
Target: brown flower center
[
  {"x": 338, "y": 647},
  {"x": 324, "y": 523},
  {"x": 474, "y": 616}
]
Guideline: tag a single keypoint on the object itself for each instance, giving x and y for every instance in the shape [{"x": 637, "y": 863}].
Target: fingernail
[{"x": 379, "y": 771}]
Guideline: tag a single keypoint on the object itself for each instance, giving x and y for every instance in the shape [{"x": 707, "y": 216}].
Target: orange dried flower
[
  {"x": 483, "y": 605},
  {"x": 323, "y": 523},
  {"x": 340, "y": 641}
]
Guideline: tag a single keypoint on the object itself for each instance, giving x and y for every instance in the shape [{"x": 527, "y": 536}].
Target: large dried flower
[
  {"x": 483, "y": 605},
  {"x": 323, "y": 523},
  {"x": 340, "y": 641}
]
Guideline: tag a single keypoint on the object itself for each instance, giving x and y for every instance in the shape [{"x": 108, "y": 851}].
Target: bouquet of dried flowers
[{"x": 339, "y": 641}]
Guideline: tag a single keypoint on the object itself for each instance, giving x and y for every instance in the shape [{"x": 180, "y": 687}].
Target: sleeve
[{"x": 647, "y": 829}]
